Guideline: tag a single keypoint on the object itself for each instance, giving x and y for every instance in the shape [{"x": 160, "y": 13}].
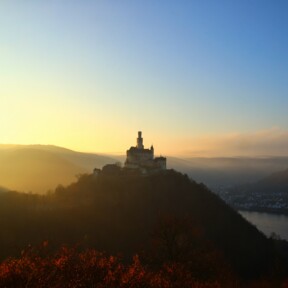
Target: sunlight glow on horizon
[{"x": 88, "y": 76}]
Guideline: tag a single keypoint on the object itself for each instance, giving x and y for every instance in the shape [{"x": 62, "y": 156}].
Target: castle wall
[{"x": 138, "y": 157}]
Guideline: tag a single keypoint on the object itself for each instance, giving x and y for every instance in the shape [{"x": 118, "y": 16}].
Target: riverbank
[
  {"x": 268, "y": 223},
  {"x": 263, "y": 210}
]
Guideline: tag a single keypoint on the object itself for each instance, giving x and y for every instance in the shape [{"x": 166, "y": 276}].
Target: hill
[
  {"x": 277, "y": 181},
  {"x": 222, "y": 172},
  {"x": 39, "y": 168},
  {"x": 219, "y": 173},
  {"x": 2, "y": 189},
  {"x": 166, "y": 217},
  {"x": 269, "y": 194}
]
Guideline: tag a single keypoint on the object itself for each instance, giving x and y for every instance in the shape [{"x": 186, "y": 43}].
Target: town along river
[{"x": 268, "y": 223}]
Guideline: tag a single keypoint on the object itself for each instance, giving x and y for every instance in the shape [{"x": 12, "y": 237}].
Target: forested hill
[{"x": 165, "y": 216}]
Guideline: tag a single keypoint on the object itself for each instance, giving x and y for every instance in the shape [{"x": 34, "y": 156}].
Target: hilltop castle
[{"x": 140, "y": 158}]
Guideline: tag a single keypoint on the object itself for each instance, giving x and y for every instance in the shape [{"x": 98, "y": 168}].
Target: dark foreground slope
[{"x": 125, "y": 213}]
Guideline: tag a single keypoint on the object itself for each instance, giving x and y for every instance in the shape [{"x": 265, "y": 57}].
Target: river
[{"x": 268, "y": 223}]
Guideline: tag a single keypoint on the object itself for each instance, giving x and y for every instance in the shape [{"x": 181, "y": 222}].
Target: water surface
[{"x": 268, "y": 223}]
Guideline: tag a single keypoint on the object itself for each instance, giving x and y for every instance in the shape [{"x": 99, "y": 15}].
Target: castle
[
  {"x": 138, "y": 160},
  {"x": 143, "y": 159}
]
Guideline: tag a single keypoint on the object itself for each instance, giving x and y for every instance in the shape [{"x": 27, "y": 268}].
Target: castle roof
[
  {"x": 135, "y": 149},
  {"x": 160, "y": 158}
]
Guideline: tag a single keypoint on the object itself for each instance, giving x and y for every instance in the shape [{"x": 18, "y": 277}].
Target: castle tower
[
  {"x": 143, "y": 159},
  {"x": 140, "y": 141}
]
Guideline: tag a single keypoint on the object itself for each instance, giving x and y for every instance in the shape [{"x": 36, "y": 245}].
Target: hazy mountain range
[
  {"x": 39, "y": 168},
  {"x": 270, "y": 194},
  {"x": 221, "y": 172},
  {"x": 278, "y": 179}
]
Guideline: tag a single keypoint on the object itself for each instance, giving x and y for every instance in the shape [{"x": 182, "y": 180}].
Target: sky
[{"x": 198, "y": 78}]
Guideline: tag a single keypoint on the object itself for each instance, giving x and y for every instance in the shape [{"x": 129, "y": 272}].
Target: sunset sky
[{"x": 199, "y": 78}]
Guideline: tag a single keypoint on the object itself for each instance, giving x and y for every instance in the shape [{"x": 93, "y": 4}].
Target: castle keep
[{"x": 140, "y": 158}]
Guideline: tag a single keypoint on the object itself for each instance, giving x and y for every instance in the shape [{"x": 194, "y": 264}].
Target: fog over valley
[{"x": 40, "y": 168}]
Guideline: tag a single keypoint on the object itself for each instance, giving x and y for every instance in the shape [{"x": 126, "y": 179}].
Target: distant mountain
[
  {"x": 277, "y": 181},
  {"x": 227, "y": 172},
  {"x": 39, "y": 168},
  {"x": 2, "y": 189},
  {"x": 269, "y": 194}
]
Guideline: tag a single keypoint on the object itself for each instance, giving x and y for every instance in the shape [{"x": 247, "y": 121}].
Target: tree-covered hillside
[{"x": 163, "y": 217}]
